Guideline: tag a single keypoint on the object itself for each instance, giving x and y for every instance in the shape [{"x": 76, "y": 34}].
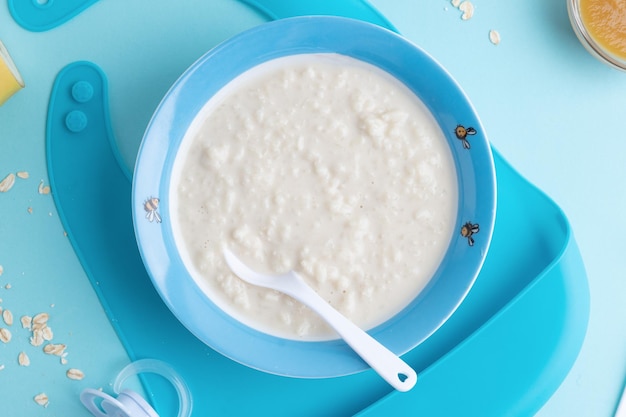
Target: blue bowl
[{"x": 370, "y": 43}]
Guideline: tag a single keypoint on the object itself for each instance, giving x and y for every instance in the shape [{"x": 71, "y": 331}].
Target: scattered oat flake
[
  {"x": 37, "y": 338},
  {"x": 468, "y": 10},
  {"x": 63, "y": 361},
  {"x": 1, "y": 269},
  {"x": 74, "y": 373},
  {"x": 8, "y": 286},
  {"x": 30, "y": 210},
  {"x": 26, "y": 322},
  {"x": 456, "y": 3},
  {"x": 7, "y": 183},
  {"x": 5, "y": 335},
  {"x": 54, "y": 349},
  {"x": 22, "y": 174},
  {"x": 42, "y": 399},
  {"x": 46, "y": 333},
  {"x": 494, "y": 37},
  {"x": 7, "y": 316},
  {"x": 38, "y": 327},
  {"x": 41, "y": 318},
  {"x": 44, "y": 189},
  {"x": 23, "y": 359}
]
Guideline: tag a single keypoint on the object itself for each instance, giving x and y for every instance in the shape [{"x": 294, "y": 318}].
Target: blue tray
[{"x": 504, "y": 352}]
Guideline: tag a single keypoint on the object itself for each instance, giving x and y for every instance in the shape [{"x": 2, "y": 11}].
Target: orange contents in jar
[{"x": 605, "y": 21}]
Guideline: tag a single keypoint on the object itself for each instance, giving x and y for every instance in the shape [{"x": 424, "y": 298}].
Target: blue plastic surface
[
  {"x": 525, "y": 316},
  {"x": 356, "y": 9},
  {"x": 42, "y": 15},
  {"x": 167, "y": 130}
]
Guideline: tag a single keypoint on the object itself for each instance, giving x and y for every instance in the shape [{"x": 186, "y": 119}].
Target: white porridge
[{"x": 322, "y": 164}]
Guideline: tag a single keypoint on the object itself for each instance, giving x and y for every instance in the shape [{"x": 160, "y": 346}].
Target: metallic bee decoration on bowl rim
[
  {"x": 468, "y": 230},
  {"x": 462, "y": 133},
  {"x": 151, "y": 206}
]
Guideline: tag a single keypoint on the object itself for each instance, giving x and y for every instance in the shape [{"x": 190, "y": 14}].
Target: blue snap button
[
  {"x": 82, "y": 91},
  {"x": 76, "y": 121},
  {"x": 42, "y": 4}
]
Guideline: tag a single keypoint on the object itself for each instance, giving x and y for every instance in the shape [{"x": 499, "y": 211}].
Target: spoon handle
[{"x": 387, "y": 364}]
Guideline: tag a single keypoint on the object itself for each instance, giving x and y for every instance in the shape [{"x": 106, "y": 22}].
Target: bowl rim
[{"x": 313, "y": 34}]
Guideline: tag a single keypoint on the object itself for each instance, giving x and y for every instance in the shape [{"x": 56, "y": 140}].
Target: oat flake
[
  {"x": 23, "y": 174},
  {"x": 54, "y": 349},
  {"x": 5, "y": 335},
  {"x": 26, "y": 322},
  {"x": 41, "y": 399},
  {"x": 37, "y": 338},
  {"x": 23, "y": 359},
  {"x": 43, "y": 189},
  {"x": 7, "y": 183},
  {"x": 41, "y": 318},
  {"x": 7, "y": 316},
  {"x": 494, "y": 37},
  {"x": 38, "y": 327},
  {"x": 75, "y": 374},
  {"x": 468, "y": 10},
  {"x": 46, "y": 333}
]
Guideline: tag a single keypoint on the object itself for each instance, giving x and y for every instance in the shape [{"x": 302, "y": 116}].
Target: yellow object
[
  {"x": 605, "y": 21},
  {"x": 600, "y": 25},
  {"x": 10, "y": 78}
]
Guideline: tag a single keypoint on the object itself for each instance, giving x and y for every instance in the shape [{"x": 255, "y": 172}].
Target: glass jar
[{"x": 598, "y": 33}]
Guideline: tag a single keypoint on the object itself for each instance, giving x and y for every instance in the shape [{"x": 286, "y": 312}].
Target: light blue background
[{"x": 552, "y": 110}]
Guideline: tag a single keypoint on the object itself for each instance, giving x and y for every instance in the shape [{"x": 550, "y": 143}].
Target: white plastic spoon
[{"x": 389, "y": 366}]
